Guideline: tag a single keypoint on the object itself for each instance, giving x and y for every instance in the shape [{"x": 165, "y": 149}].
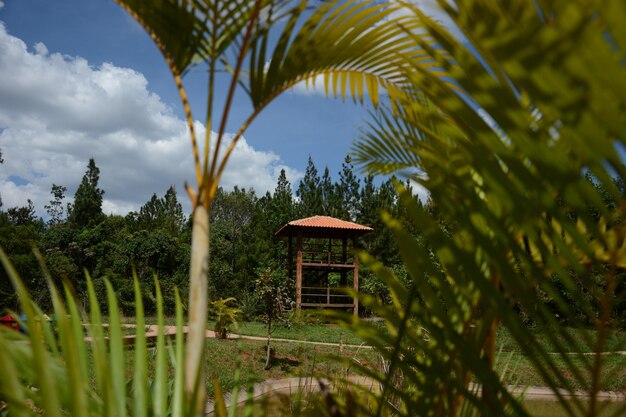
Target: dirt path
[{"x": 292, "y": 386}]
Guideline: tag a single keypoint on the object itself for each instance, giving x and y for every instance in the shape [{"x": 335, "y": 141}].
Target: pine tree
[
  {"x": 172, "y": 211},
  {"x": 162, "y": 213},
  {"x": 327, "y": 191},
  {"x": 87, "y": 207},
  {"x": 148, "y": 217},
  {"x": 348, "y": 190},
  {"x": 55, "y": 208},
  {"x": 368, "y": 210},
  {"x": 282, "y": 200},
  {"x": 309, "y": 192}
]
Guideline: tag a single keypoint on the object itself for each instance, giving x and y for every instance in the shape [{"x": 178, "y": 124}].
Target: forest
[{"x": 155, "y": 240}]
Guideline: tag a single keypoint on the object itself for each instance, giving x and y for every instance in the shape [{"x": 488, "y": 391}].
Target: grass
[
  {"x": 581, "y": 341},
  {"x": 248, "y": 356},
  {"x": 313, "y": 332},
  {"x": 612, "y": 377},
  {"x": 555, "y": 409},
  {"x": 299, "y": 359},
  {"x": 289, "y": 360},
  {"x": 328, "y": 333}
]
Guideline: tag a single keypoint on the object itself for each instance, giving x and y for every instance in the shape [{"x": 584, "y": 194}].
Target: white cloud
[
  {"x": 58, "y": 111},
  {"x": 432, "y": 9},
  {"x": 418, "y": 189}
]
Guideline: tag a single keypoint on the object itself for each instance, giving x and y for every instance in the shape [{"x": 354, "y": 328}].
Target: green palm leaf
[{"x": 505, "y": 141}]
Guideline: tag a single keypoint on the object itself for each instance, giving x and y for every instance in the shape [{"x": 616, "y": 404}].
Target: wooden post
[
  {"x": 330, "y": 249},
  {"x": 344, "y": 259},
  {"x": 290, "y": 258},
  {"x": 355, "y": 278},
  {"x": 299, "y": 273},
  {"x": 327, "y": 294}
]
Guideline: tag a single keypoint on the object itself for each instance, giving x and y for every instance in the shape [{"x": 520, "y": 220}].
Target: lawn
[
  {"x": 226, "y": 358},
  {"x": 555, "y": 409},
  {"x": 310, "y": 332},
  {"x": 289, "y": 360},
  {"x": 612, "y": 377},
  {"x": 580, "y": 340},
  {"x": 301, "y": 359}
]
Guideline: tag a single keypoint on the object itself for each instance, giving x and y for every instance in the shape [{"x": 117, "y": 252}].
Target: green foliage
[
  {"x": 309, "y": 192},
  {"x": 225, "y": 317},
  {"x": 274, "y": 296},
  {"x": 503, "y": 143},
  {"x": 73, "y": 372},
  {"x": 87, "y": 207},
  {"x": 164, "y": 213},
  {"x": 55, "y": 209},
  {"x": 272, "y": 290}
]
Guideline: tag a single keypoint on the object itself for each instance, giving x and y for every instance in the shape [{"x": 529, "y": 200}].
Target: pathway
[{"x": 290, "y": 386}]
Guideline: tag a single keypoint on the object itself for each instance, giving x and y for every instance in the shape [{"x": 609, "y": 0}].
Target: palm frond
[
  {"x": 355, "y": 47},
  {"x": 505, "y": 141}
]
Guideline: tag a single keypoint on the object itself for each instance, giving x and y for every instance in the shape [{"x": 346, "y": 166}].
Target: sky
[{"x": 81, "y": 79}]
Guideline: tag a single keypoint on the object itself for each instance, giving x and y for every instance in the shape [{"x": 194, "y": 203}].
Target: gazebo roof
[{"x": 322, "y": 226}]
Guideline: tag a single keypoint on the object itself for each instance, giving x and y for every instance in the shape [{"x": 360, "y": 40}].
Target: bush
[{"x": 225, "y": 317}]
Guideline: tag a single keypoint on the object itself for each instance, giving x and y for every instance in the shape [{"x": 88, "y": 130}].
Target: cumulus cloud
[
  {"x": 58, "y": 111},
  {"x": 432, "y": 9}
]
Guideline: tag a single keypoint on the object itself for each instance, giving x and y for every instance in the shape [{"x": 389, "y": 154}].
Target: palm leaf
[{"x": 504, "y": 141}]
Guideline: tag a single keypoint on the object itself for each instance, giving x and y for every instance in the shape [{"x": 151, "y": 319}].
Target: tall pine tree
[
  {"x": 327, "y": 190},
  {"x": 309, "y": 192},
  {"x": 87, "y": 207},
  {"x": 348, "y": 190}
]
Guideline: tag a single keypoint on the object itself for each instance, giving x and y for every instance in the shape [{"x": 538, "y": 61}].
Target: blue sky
[{"x": 80, "y": 79}]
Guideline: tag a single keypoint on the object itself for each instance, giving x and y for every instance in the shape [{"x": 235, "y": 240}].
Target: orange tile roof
[{"x": 325, "y": 222}]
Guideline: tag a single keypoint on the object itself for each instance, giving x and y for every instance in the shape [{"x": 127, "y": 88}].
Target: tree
[
  {"x": 282, "y": 196},
  {"x": 173, "y": 216},
  {"x": 309, "y": 192},
  {"x": 281, "y": 209},
  {"x": 22, "y": 215},
  {"x": 87, "y": 207},
  {"x": 160, "y": 213},
  {"x": 328, "y": 196},
  {"x": 234, "y": 210},
  {"x": 270, "y": 287},
  {"x": 55, "y": 208},
  {"x": 348, "y": 190}
]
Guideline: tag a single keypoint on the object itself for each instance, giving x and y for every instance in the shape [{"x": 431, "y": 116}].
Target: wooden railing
[
  {"x": 325, "y": 296},
  {"x": 325, "y": 257}
]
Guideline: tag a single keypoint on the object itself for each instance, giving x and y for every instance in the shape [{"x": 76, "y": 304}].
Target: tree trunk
[
  {"x": 198, "y": 305},
  {"x": 268, "y": 356}
]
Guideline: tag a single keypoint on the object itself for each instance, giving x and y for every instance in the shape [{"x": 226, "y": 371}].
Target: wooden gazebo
[{"x": 324, "y": 259}]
